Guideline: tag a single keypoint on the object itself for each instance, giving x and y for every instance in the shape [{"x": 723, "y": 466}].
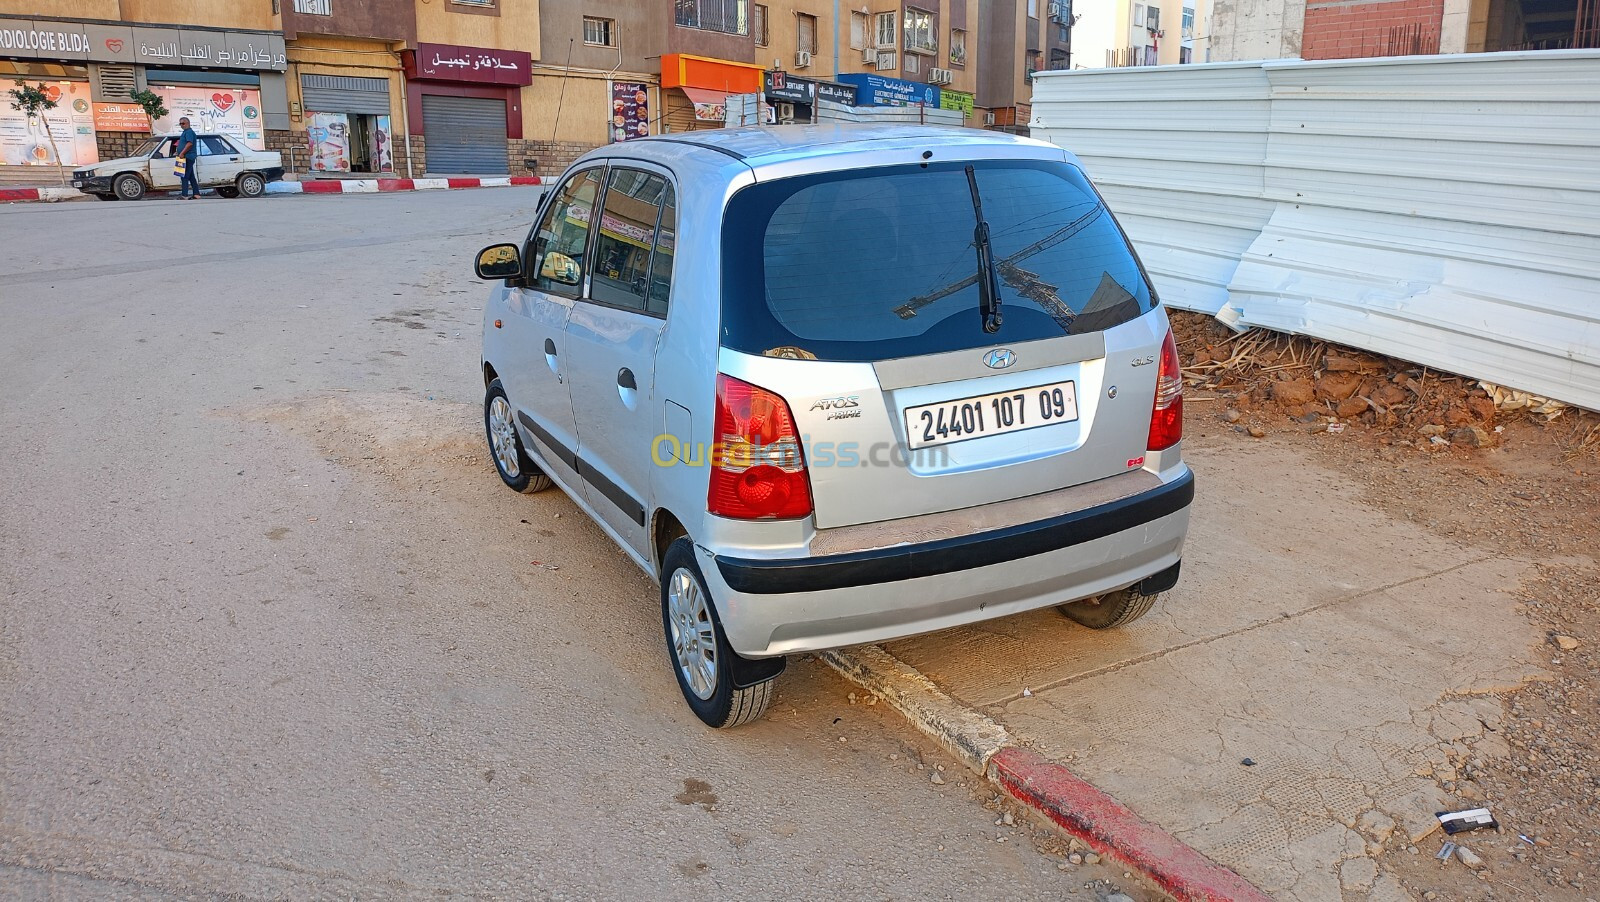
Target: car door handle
[
  {"x": 550, "y": 346},
  {"x": 233, "y": 159},
  {"x": 626, "y": 380}
]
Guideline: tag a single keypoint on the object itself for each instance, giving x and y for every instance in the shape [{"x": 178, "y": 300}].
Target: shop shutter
[
  {"x": 465, "y": 134},
  {"x": 344, "y": 94}
]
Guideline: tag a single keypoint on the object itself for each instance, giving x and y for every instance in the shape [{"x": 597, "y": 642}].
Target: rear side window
[
  {"x": 881, "y": 263},
  {"x": 638, "y": 213}
]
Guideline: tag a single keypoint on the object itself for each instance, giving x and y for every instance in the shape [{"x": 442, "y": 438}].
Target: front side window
[
  {"x": 880, "y": 263},
  {"x": 630, "y": 225},
  {"x": 726, "y": 16},
  {"x": 920, "y": 35},
  {"x": 557, "y": 257}
]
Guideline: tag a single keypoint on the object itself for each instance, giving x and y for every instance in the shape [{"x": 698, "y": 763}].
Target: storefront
[
  {"x": 792, "y": 99},
  {"x": 229, "y": 82},
  {"x": 695, "y": 89},
  {"x": 879, "y": 90},
  {"x": 466, "y": 102},
  {"x": 960, "y": 101}
]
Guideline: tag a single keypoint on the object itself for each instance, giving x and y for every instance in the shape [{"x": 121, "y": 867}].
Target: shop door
[{"x": 466, "y": 135}]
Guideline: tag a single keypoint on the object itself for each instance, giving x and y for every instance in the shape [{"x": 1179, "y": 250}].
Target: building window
[
  {"x": 920, "y": 34},
  {"x": 726, "y": 16},
  {"x": 958, "y": 47},
  {"x": 314, "y": 7},
  {"x": 758, "y": 24},
  {"x": 858, "y": 31},
  {"x": 1058, "y": 59},
  {"x": 1033, "y": 9},
  {"x": 885, "y": 30},
  {"x": 598, "y": 32},
  {"x": 1035, "y": 62},
  {"x": 913, "y": 64},
  {"x": 486, "y": 4},
  {"x": 1150, "y": 57},
  {"x": 1188, "y": 23},
  {"x": 1061, "y": 33},
  {"x": 805, "y": 33},
  {"x": 1185, "y": 55}
]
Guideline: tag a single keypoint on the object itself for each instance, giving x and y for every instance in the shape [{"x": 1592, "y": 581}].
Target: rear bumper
[
  {"x": 272, "y": 174},
  {"x": 786, "y": 606}
]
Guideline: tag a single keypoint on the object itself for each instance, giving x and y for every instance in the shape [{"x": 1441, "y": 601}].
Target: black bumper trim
[{"x": 997, "y": 546}]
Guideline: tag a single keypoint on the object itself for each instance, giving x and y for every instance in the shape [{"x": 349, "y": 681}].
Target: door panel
[
  {"x": 613, "y": 336},
  {"x": 535, "y": 380},
  {"x": 160, "y": 167},
  {"x": 612, "y": 373},
  {"x": 219, "y": 162}
]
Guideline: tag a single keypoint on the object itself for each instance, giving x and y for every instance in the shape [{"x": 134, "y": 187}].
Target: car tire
[
  {"x": 701, "y": 658},
  {"x": 511, "y": 460},
  {"x": 128, "y": 186},
  {"x": 229, "y": 193},
  {"x": 1113, "y": 609},
  {"x": 107, "y": 196},
  {"x": 251, "y": 184}
]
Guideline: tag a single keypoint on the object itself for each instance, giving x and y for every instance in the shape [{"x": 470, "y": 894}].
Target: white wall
[{"x": 1444, "y": 210}]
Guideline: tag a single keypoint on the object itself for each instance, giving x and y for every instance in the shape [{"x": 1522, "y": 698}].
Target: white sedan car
[{"x": 222, "y": 164}]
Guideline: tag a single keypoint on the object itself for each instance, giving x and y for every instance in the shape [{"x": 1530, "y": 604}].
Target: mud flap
[
  {"x": 747, "y": 672},
  {"x": 1156, "y": 583}
]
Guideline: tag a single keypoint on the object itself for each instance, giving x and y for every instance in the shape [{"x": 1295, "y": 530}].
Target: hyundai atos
[{"x": 836, "y": 385}]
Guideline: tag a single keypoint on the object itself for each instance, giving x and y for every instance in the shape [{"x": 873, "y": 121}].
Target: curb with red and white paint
[
  {"x": 30, "y": 195},
  {"x": 376, "y": 186},
  {"x": 1048, "y": 788}
]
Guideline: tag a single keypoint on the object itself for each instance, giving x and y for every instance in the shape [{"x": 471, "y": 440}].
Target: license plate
[
  {"x": 993, "y": 414},
  {"x": 77, "y": 183}
]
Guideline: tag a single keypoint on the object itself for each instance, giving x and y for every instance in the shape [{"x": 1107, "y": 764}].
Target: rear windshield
[{"x": 874, "y": 264}]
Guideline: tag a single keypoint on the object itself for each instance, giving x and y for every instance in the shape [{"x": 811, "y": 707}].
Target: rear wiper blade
[{"x": 988, "y": 281}]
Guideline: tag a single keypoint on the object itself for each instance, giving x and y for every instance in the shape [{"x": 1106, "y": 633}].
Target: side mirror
[
  {"x": 560, "y": 268},
  {"x": 499, "y": 261}
]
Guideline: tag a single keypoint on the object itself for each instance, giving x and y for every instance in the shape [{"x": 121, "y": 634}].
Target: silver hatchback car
[{"x": 835, "y": 385}]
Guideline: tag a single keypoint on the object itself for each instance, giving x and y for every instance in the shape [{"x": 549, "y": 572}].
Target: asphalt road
[{"x": 271, "y": 628}]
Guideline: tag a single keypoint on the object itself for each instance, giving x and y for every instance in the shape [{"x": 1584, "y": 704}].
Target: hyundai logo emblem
[{"x": 999, "y": 358}]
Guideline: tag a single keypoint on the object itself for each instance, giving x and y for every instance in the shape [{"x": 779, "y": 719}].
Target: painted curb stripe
[
  {"x": 1110, "y": 828},
  {"x": 1052, "y": 790},
  {"x": 9, "y": 194},
  {"x": 321, "y": 187}
]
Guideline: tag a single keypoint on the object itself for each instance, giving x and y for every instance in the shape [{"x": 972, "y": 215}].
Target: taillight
[
  {"x": 1166, "y": 418},
  {"x": 758, "y": 468}
]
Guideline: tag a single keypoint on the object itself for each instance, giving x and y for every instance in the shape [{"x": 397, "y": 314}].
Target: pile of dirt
[{"x": 1270, "y": 377}]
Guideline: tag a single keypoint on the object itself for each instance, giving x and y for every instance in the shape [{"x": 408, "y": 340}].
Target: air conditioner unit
[
  {"x": 988, "y": 119},
  {"x": 870, "y": 56},
  {"x": 887, "y": 62},
  {"x": 802, "y": 59},
  {"x": 785, "y": 112},
  {"x": 938, "y": 76}
]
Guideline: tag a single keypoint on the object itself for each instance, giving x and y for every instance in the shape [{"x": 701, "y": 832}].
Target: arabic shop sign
[
  {"x": 878, "y": 90},
  {"x": 956, "y": 100},
  {"x": 482, "y": 65},
  {"x": 54, "y": 40},
  {"x": 778, "y": 85}
]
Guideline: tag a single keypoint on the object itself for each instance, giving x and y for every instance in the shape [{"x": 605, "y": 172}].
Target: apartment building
[
  {"x": 1120, "y": 33},
  {"x": 1017, "y": 39}
]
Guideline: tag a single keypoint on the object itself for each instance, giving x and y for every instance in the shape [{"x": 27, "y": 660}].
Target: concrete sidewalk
[{"x": 1284, "y": 710}]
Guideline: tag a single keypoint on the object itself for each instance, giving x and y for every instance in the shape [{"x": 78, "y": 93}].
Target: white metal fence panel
[{"x": 1442, "y": 209}]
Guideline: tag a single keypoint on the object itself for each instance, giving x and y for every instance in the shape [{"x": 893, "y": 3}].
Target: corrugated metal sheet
[
  {"x": 1441, "y": 209},
  {"x": 466, "y": 135},
  {"x": 345, "y": 94}
]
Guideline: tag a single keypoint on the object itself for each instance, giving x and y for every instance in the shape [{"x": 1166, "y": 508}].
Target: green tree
[
  {"x": 33, "y": 100},
  {"x": 153, "y": 107}
]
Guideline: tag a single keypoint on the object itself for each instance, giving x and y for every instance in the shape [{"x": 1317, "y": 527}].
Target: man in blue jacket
[{"x": 186, "y": 148}]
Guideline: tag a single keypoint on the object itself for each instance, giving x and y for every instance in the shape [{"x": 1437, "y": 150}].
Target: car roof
[{"x": 763, "y": 145}]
